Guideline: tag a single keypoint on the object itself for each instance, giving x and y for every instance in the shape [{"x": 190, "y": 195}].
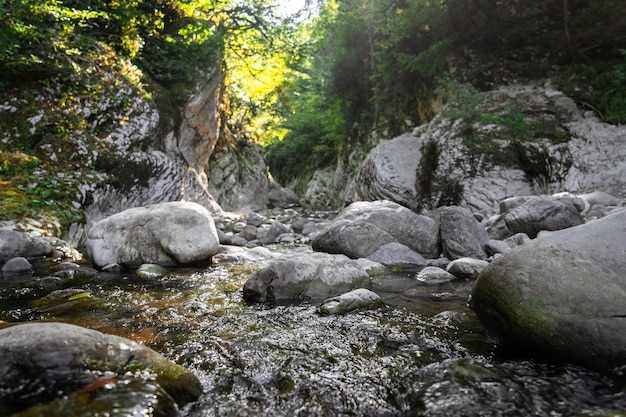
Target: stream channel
[{"x": 424, "y": 354}]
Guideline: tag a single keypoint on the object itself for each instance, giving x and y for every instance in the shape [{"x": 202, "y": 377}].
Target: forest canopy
[{"x": 310, "y": 87}]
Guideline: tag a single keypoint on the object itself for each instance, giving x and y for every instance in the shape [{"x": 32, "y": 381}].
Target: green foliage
[
  {"x": 314, "y": 137},
  {"x": 604, "y": 87}
]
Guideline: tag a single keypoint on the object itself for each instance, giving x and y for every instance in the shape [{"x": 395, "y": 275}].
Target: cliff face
[
  {"x": 118, "y": 145},
  {"x": 520, "y": 139}
]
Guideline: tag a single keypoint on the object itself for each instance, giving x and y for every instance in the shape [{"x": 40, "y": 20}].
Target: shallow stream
[{"x": 425, "y": 354}]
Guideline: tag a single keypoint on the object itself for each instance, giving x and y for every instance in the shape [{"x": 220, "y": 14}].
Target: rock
[
  {"x": 363, "y": 227},
  {"x": 276, "y": 229},
  {"x": 397, "y": 255},
  {"x": 562, "y": 295},
  {"x": 306, "y": 276},
  {"x": 151, "y": 271},
  {"x": 355, "y": 240},
  {"x": 359, "y": 299},
  {"x": 510, "y": 203},
  {"x": 17, "y": 244},
  {"x": 241, "y": 255},
  {"x": 461, "y": 234},
  {"x": 238, "y": 241},
  {"x": 432, "y": 275},
  {"x": 389, "y": 172},
  {"x": 494, "y": 246},
  {"x": 542, "y": 214},
  {"x": 224, "y": 238},
  {"x": 50, "y": 282},
  {"x": 165, "y": 234},
  {"x": 517, "y": 239},
  {"x": 40, "y": 361},
  {"x": 599, "y": 198},
  {"x": 254, "y": 219},
  {"x": 248, "y": 233},
  {"x": 467, "y": 268},
  {"x": 17, "y": 266}
]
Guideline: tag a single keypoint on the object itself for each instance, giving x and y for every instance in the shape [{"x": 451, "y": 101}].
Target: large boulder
[
  {"x": 15, "y": 244},
  {"x": 461, "y": 234},
  {"x": 165, "y": 234},
  {"x": 389, "y": 172},
  {"x": 353, "y": 239},
  {"x": 41, "y": 361},
  {"x": 539, "y": 214},
  {"x": 306, "y": 276},
  {"x": 562, "y": 294},
  {"x": 364, "y": 226}
]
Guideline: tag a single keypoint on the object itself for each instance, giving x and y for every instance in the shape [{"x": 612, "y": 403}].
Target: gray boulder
[
  {"x": 562, "y": 295},
  {"x": 275, "y": 230},
  {"x": 467, "y": 268},
  {"x": 353, "y": 239},
  {"x": 389, "y": 171},
  {"x": 40, "y": 361},
  {"x": 461, "y": 234},
  {"x": 397, "y": 255},
  {"x": 306, "y": 276},
  {"x": 165, "y": 234},
  {"x": 17, "y": 266},
  {"x": 540, "y": 214},
  {"x": 359, "y": 299},
  {"x": 433, "y": 275},
  {"x": 494, "y": 247},
  {"x": 371, "y": 224},
  {"x": 17, "y": 244}
]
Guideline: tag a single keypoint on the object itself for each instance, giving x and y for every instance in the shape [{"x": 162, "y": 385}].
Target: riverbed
[{"x": 423, "y": 354}]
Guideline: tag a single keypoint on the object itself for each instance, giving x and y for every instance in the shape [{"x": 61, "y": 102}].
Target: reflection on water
[{"x": 425, "y": 354}]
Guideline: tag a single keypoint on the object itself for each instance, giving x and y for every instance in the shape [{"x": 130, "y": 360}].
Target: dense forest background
[{"x": 307, "y": 87}]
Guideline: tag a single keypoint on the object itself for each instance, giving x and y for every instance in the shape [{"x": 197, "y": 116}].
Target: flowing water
[{"x": 425, "y": 354}]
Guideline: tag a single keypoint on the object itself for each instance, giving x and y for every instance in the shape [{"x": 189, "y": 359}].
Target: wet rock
[
  {"x": 151, "y": 271},
  {"x": 110, "y": 396},
  {"x": 363, "y": 227},
  {"x": 467, "y": 268},
  {"x": 432, "y": 275},
  {"x": 70, "y": 299},
  {"x": 41, "y": 361},
  {"x": 562, "y": 295},
  {"x": 461, "y": 234},
  {"x": 165, "y": 234},
  {"x": 241, "y": 255},
  {"x": 50, "y": 282},
  {"x": 542, "y": 214},
  {"x": 396, "y": 255},
  {"x": 17, "y": 265},
  {"x": 305, "y": 276},
  {"x": 359, "y": 299}
]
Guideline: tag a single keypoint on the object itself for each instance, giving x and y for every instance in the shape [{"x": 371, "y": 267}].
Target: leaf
[{"x": 79, "y": 295}]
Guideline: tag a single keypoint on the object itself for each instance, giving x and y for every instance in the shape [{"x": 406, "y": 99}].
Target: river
[{"x": 424, "y": 354}]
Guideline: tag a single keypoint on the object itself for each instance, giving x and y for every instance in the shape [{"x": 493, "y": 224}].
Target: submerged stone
[
  {"x": 306, "y": 276},
  {"x": 358, "y": 299}
]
